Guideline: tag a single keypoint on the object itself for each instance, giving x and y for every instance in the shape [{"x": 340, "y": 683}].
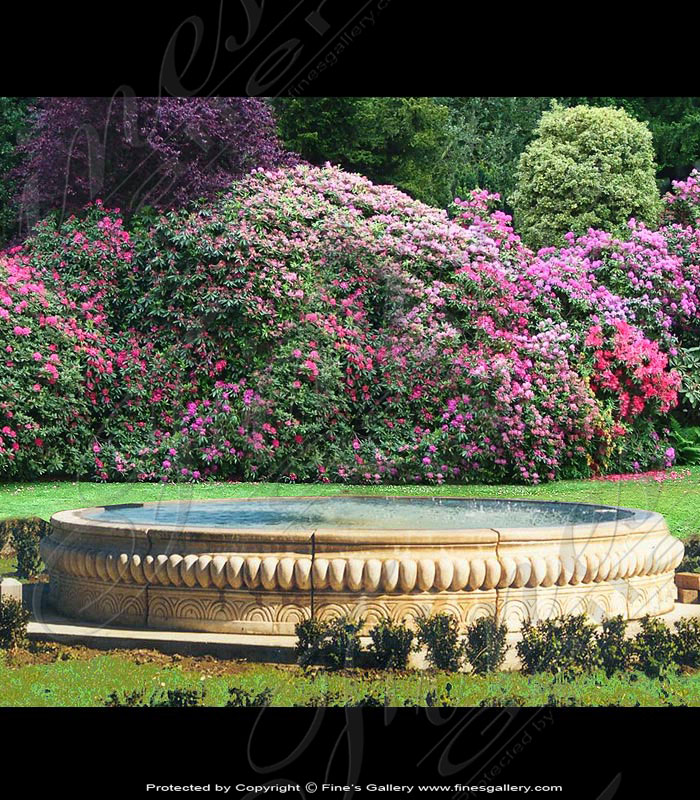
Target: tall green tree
[
  {"x": 491, "y": 133},
  {"x": 406, "y": 141}
]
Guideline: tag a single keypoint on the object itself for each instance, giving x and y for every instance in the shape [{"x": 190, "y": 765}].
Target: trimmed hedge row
[{"x": 566, "y": 647}]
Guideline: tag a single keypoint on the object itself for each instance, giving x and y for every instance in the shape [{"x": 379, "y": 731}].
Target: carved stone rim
[{"x": 369, "y": 572}]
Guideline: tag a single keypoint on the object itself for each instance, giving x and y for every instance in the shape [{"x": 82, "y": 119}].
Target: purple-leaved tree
[{"x": 132, "y": 152}]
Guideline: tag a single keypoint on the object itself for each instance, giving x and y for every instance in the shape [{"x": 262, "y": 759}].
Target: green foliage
[
  {"x": 405, "y": 141},
  {"x": 686, "y": 442},
  {"x": 485, "y": 645},
  {"x": 586, "y": 168},
  {"x": 485, "y": 136},
  {"x": 14, "y": 122},
  {"x": 172, "y": 698},
  {"x": 492, "y": 132},
  {"x": 444, "y": 699},
  {"x": 615, "y": 650},
  {"x": 240, "y": 698},
  {"x": 335, "y": 644},
  {"x": 570, "y": 647},
  {"x": 654, "y": 648},
  {"x": 310, "y": 634},
  {"x": 687, "y": 362},
  {"x": 503, "y": 700},
  {"x": 391, "y": 645},
  {"x": 490, "y": 135},
  {"x": 322, "y": 700},
  {"x": 178, "y": 698},
  {"x": 143, "y": 219},
  {"x": 439, "y": 633},
  {"x": 342, "y": 645},
  {"x": 565, "y": 646},
  {"x": 371, "y": 699},
  {"x": 81, "y": 681},
  {"x": 687, "y": 642},
  {"x": 673, "y": 121},
  {"x": 567, "y": 702},
  {"x": 13, "y": 624},
  {"x": 128, "y": 699},
  {"x": 26, "y": 536},
  {"x": 691, "y": 558},
  {"x": 5, "y": 528}
]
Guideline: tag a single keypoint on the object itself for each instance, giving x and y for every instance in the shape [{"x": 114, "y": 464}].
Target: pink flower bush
[
  {"x": 43, "y": 409},
  {"x": 73, "y": 375},
  {"x": 372, "y": 336},
  {"x": 683, "y": 201},
  {"x": 634, "y": 368}
]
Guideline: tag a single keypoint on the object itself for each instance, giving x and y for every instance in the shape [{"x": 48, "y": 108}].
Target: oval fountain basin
[{"x": 259, "y": 565}]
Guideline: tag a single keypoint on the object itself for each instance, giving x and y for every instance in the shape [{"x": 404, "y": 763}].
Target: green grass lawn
[
  {"x": 69, "y": 681},
  {"x": 8, "y": 566},
  {"x": 88, "y": 682},
  {"x": 678, "y": 500}
]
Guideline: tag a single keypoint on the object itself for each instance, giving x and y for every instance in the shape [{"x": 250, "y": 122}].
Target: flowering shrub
[
  {"x": 626, "y": 304},
  {"x": 309, "y": 325},
  {"x": 71, "y": 377},
  {"x": 682, "y": 204},
  {"x": 644, "y": 280},
  {"x": 650, "y": 281},
  {"x": 339, "y": 330},
  {"x": 44, "y": 415},
  {"x": 632, "y": 367}
]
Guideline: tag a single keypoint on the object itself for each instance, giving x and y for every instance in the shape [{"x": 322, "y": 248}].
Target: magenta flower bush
[
  {"x": 68, "y": 373},
  {"x": 309, "y": 325},
  {"x": 44, "y": 415}
]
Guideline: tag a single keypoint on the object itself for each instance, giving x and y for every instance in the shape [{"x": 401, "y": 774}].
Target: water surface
[{"x": 395, "y": 513}]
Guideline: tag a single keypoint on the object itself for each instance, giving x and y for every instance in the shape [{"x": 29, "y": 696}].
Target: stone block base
[
  {"x": 10, "y": 588},
  {"x": 97, "y": 601},
  {"x": 688, "y": 596},
  {"x": 688, "y": 580}
]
